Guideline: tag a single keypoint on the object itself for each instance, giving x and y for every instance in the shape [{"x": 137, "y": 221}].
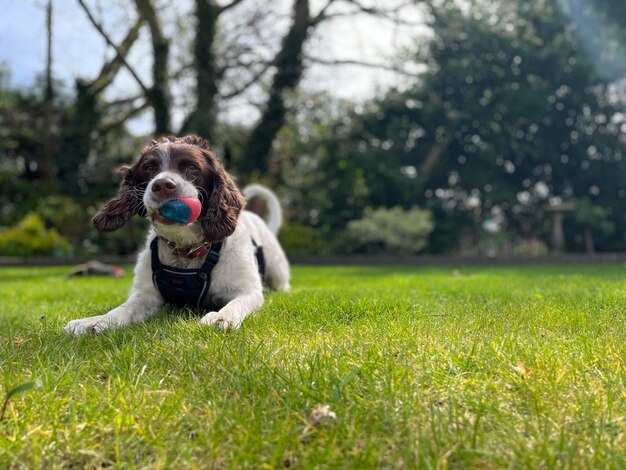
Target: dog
[{"x": 218, "y": 263}]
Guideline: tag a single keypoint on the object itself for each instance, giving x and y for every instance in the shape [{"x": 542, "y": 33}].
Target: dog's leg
[
  {"x": 277, "y": 267},
  {"x": 137, "y": 308},
  {"x": 143, "y": 302},
  {"x": 234, "y": 312}
]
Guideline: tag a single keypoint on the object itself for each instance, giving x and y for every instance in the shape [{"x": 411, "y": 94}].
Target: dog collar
[{"x": 190, "y": 253}]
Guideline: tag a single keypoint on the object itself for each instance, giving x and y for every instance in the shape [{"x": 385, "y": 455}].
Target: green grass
[{"x": 419, "y": 364}]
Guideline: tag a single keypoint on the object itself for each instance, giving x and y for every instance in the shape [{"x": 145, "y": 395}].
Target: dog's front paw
[
  {"x": 222, "y": 320},
  {"x": 88, "y": 325}
]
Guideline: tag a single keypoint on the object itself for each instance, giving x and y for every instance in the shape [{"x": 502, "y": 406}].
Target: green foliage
[
  {"x": 393, "y": 230},
  {"x": 325, "y": 184},
  {"x": 125, "y": 241},
  {"x": 602, "y": 23},
  {"x": 66, "y": 216},
  {"x": 512, "y": 110},
  {"x": 31, "y": 237},
  {"x": 525, "y": 123},
  {"x": 593, "y": 215},
  {"x": 59, "y": 165},
  {"x": 301, "y": 240}
]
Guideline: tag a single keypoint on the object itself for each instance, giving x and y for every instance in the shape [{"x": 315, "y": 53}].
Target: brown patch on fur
[
  {"x": 225, "y": 201},
  {"x": 124, "y": 205},
  {"x": 224, "y": 206}
]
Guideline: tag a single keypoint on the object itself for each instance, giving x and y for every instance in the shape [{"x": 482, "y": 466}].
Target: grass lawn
[{"x": 484, "y": 367}]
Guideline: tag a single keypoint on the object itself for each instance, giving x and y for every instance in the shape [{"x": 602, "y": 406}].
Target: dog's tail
[{"x": 275, "y": 212}]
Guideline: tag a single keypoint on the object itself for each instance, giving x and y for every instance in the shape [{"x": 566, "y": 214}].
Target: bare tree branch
[
  {"x": 236, "y": 63},
  {"x": 254, "y": 79},
  {"x": 147, "y": 11},
  {"x": 228, "y": 6},
  {"x": 248, "y": 39},
  {"x": 183, "y": 69},
  {"x": 352, "y": 13},
  {"x": 114, "y": 46},
  {"x": 380, "y": 11},
  {"x": 391, "y": 14},
  {"x": 122, "y": 101},
  {"x": 322, "y": 14},
  {"x": 122, "y": 118},
  {"x": 362, "y": 63},
  {"x": 110, "y": 69}
]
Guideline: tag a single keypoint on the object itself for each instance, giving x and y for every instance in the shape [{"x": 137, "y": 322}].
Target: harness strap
[
  {"x": 159, "y": 271},
  {"x": 260, "y": 258},
  {"x": 212, "y": 257},
  {"x": 154, "y": 249}
]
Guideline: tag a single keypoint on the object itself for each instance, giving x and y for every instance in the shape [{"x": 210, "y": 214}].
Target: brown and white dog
[{"x": 174, "y": 167}]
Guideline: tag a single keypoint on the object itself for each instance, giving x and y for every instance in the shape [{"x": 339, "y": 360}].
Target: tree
[
  {"x": 280, "y": 73},
  {"x": 289, "y": 67},
  {"x": 511, "y": 112},
  {"x": 90, "y": 119},
  {"x": 601, "y": 27},
  {"x": 594, "y": 219},
  {"x": 158, "y": 93}
]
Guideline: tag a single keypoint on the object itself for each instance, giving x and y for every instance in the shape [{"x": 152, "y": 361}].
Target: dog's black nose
[{"x": 164, "y": 187}]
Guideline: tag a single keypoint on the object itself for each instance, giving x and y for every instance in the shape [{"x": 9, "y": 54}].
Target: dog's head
[{"x": 170, "y": 168}]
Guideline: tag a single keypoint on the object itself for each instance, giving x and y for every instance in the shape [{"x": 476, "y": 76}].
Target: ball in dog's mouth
[{"x": 183, "y": 210}]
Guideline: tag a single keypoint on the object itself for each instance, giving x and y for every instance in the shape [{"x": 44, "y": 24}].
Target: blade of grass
[{"x": 25, "y": 387}]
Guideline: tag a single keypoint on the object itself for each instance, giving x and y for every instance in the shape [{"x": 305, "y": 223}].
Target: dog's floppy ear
[
  {"x": 124, "y": 205},
  {"x": 224, "y": 204}
]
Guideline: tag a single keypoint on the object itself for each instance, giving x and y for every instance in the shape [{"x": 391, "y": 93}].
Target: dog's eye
[
  {"x": 150, "y": 169},
  {"x": 192, "y": 167}
]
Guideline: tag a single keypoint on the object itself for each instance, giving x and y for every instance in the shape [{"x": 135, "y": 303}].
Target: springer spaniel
[{"x": 208, "y": 263}]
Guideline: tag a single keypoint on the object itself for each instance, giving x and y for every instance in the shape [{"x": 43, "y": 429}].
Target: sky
[{"x": 79, "y": 51}]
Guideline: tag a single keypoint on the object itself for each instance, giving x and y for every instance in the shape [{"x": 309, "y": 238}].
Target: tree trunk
[
  {"x": 202, "y": 119},
  {"x": 589, "y": 245},
  {"x": 159, "y": 93},
  {"x": 78, "y": 138},
  {"x": 289, "y": 70},
  {"x": 46, "y": 166},
  {"x": 49, "y": 86},
  {"x": 160, "y": 46}
]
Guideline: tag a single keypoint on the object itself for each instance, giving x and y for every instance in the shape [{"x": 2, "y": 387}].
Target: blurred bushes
[
  {"x": 31, "y": 237},
  {"x": 393, "y": 230},
  {"x": 125, "y": 241},
  {"x": 504, "y": 242},
  {"x": 301, "y": 240},
  {"x": 66, "y": 216},
  {"x": 62, "y": 227}
]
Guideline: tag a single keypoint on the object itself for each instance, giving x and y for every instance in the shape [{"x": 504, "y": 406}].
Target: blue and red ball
[{"x": 183, "y": 210}]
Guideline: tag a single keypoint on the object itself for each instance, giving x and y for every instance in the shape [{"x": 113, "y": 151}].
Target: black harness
[
  {"x": 183, "y": 286},
  {"x": 189, "y": 287}
]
